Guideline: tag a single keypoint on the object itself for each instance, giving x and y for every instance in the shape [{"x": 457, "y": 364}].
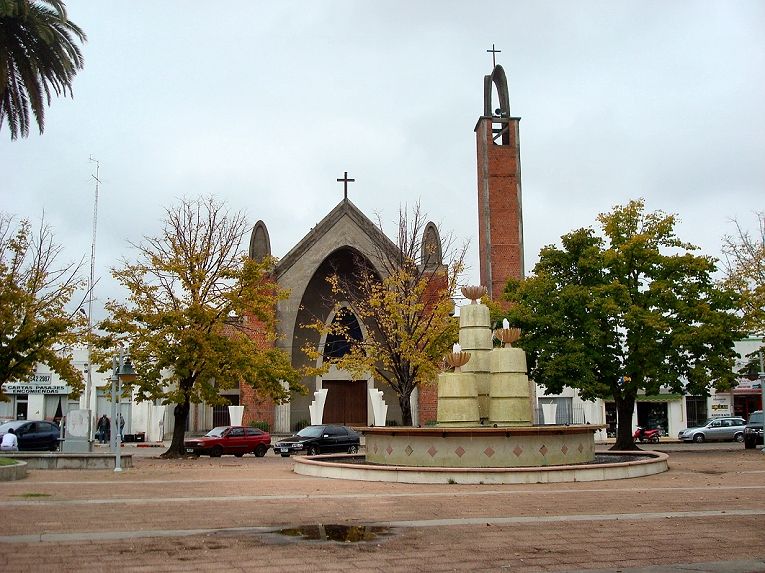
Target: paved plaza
[{"x": 226, "y": 514}]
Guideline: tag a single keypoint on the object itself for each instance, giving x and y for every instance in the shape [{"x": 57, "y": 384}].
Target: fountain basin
[
  {"x": 643, "y": 463},
  {"x": 480, "y": 447}
]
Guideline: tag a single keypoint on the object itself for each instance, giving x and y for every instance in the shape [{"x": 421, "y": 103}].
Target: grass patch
[
  {"x": 7, "y": 462},
  {"x": 32, "y": 494}
]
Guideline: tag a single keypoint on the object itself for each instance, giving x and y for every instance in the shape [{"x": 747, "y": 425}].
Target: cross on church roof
[
  {"x": 494, "y": 55},
  {"x": 345, "y": 181}
]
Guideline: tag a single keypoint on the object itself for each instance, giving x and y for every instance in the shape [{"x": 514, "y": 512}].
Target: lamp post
[
  {"x": 122, "y": 371},
  {"x": 762, "y": 389}
]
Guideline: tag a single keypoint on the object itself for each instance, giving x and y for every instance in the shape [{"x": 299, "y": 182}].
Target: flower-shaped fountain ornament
[
  {"x": 457, "y": 359},
  {"x": 507, "y": 335},
  {"x": 474, "y": 293}
]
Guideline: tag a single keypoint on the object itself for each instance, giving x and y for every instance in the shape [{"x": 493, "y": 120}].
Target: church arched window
[{"x": 346, "y": 328}]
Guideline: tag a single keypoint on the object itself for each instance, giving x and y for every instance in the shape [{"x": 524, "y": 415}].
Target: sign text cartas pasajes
[{"x": 20, "y": 388}]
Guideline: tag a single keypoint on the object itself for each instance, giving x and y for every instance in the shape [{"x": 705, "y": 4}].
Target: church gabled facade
[{"x": 344, "y": 238}]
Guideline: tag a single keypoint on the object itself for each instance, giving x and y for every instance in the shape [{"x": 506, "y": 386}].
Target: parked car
[
  {"x": 33, "y": 434},
  {"x": 716, "y": 429},
  {"x": 237, "y": 440},
  {"x": 753, "y": 430},
  {"x": 314, "y": 440}
]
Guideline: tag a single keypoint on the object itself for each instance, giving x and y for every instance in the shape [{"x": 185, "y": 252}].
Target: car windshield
[
  {"x": 755, "y": 418},
  {"x": 311, "y": 432},
  {"x": 216, "y": 432}
]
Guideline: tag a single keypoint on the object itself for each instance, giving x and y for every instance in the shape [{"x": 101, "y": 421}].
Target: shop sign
[
  {"x": 20, "y": 388},
  {"x": 720, "y": 406}
]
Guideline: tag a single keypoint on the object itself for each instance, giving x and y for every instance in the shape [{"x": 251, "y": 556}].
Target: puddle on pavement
[{"x": 341, "y": 533}]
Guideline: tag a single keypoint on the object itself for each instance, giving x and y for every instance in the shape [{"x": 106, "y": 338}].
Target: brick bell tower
[{"x": 500, "y": 212}]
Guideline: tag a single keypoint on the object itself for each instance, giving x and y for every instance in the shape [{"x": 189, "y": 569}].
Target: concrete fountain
[{"x": 484, "y": 431}]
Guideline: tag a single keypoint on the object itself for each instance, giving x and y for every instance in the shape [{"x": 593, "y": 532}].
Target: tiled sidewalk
[{"x": 222, "y": 515}]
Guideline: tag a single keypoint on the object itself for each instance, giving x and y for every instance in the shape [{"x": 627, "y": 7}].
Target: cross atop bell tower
[{"x": 500, "y": 209}]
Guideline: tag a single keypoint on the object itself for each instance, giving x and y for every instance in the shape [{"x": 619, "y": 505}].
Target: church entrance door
[{"x": 346, "y": 402}]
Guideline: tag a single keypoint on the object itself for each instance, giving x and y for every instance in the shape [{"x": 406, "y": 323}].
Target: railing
[{"x": 563, "y": 415}]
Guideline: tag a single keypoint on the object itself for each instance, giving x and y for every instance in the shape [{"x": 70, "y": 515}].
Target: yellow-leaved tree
[
  {"x": 37, "y": 325},
  {"x": 200, "y": 315}
]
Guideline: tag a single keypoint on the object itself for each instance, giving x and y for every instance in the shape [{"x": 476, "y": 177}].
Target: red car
[{"x": 237, "y": 440}]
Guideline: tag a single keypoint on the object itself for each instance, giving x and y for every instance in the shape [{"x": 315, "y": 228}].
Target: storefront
[
  {"x": 747, "y": 397},
  {"x": 38, "y": 399}
]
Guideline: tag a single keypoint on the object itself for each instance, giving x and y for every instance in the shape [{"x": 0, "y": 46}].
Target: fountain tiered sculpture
[{"x": 485, "y": 410}]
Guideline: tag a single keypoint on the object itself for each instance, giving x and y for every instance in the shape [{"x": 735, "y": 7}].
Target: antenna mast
[{"x": 89, "y": 385}]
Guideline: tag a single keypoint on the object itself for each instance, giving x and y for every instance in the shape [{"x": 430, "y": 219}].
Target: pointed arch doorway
[{"x": 346, "y": 402}]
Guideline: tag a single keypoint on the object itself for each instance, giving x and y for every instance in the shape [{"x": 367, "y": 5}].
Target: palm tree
[{"x": 38, "y": 56}]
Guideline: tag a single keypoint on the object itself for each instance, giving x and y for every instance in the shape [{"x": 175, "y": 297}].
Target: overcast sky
[{"x": 265, "y": 104}]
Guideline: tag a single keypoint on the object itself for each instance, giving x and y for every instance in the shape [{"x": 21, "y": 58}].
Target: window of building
[{"x": 696, "y": 410}]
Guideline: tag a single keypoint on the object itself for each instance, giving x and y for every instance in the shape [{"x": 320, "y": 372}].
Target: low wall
[
  {"x": 331, "y": 466},
  {"x": 481, "y": 447},
  {"x": 64, "y": 461},
  {"x": 13, "y": 472}
]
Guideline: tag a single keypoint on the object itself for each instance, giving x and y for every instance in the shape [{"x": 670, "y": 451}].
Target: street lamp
[
  {"x": 762, "y": 389},
  {"x": 122, "y": 371}
]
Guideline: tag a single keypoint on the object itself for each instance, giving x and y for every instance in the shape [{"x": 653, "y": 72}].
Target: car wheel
[
  {"x": 353, "y": 450},
  {"x": 698, "y": 438},
  {"x": 285, "y": 455},
  {"x": 260, "y": 450},
  {"x": 216, "y": 452},
  {"x": 312, "y": 450},
  {"x": 739, "y": 437}
]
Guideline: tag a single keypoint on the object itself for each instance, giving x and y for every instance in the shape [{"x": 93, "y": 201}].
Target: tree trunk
[
  {"x": 181, "y": 413},
  {"x": 404, "y": 400},
  {"x": 625, "y": 406}
]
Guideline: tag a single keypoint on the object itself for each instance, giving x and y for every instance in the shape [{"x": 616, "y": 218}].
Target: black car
[
  {"x": 753, "y": 430},
  {"x": 323, "y": 439},
  {"x": 33, "y": 434}
]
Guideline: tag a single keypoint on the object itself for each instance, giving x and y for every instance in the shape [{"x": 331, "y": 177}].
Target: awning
[{"x": 659, "y": 398}]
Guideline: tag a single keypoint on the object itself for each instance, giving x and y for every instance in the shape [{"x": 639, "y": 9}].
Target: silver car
[{"x": 716, "y": 429}]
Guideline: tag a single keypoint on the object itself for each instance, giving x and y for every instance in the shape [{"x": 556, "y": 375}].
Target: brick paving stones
[{"x": 222, "y": 515}]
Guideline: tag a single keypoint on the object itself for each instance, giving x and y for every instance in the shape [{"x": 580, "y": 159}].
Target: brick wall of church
[
  {"x": 428, "y": 403},
  {"x": 428, "y": 392},
  {"x": 257, "y": 408}
]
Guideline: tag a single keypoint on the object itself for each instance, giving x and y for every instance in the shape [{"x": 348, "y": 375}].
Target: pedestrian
[
  {"x": 122, "y": 427},
  {"x": 102, "y": 428},
  {"x": 10, "y": 442}
]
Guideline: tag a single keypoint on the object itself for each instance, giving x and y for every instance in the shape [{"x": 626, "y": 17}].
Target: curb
[{"x": 13, "y": 472}]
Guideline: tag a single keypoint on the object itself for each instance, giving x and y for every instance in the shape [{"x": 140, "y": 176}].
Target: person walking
[
  {"x": 122, "y": 428},
  {"x": 103, "y": 429},
  {"x": 10, "y": 442}
]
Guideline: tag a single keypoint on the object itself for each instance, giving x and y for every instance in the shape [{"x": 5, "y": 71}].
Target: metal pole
[
  {"x": 762, "y": 389},
  {"x": 89, "y": 381},
  {"x": 117, "y": 450},
  {"x": 113, "y": 380}
]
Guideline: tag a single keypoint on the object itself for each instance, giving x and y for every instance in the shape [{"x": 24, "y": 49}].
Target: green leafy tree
[
  {"x": 633, "y": 310},
  {"x": 199, "y": 317},
  {"x": 35, "y": 291},
  {"x": 38, "y": 56},
  {"x": 407, "y": 311}
]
